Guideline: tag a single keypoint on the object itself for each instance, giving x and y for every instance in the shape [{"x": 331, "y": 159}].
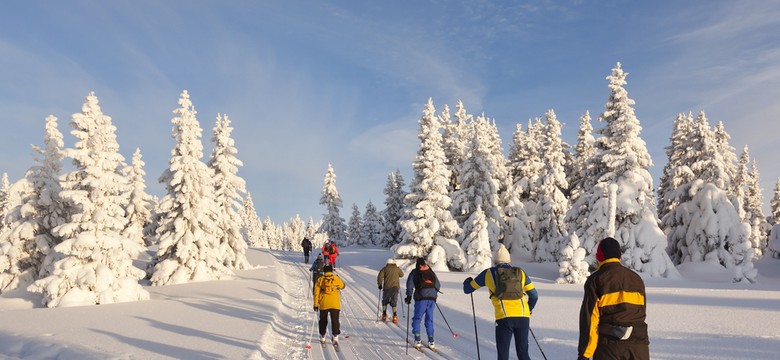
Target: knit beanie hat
[
  {"x": 608, "y": 248},
  {"x": 328, "y": 268},
  {"x": 390, "y": 261},
  {"x": 420, "y": 262},
  {"x": 502, "y": 255}
]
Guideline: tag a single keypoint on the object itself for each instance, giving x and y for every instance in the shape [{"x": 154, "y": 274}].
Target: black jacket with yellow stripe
[{"x": 614, "y": 295}]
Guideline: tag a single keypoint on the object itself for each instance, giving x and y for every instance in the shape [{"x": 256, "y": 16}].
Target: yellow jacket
[{"x": 327, "y": 291}]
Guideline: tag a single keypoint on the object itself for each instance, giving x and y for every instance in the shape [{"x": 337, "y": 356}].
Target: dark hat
[
  {"x": 608, "y": 248},
  {"x": 328, "y": 268},
  {"x": 319, "y": 256},
  {"x": 420, "y": 262}
]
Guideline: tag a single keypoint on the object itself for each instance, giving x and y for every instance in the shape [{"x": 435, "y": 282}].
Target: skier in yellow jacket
[{"x": 327, "y": 299}]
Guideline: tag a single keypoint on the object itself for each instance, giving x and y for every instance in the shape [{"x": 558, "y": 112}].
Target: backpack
[
  {"x": 318, "y": 267},
  {"x": 327, "y": 286},
  {"x": 509, "y": 283},
  {"x": 331, "y": 249},
  {"x": 426, "y": 279}
]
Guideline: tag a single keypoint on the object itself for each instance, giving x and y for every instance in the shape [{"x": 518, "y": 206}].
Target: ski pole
[
  {"x": 402, "y": 307},
  {"x": 537, "y": 342},
  {"x": 378, "y": 298},
  {"x": 407, "y": 330},
  {"x": 476, "y": 336},
  {"x": 311, "y": 332},
  {"x": 445, "y": 320}
]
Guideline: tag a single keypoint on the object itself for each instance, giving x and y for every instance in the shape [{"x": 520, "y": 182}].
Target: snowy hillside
[{"x": 266, "y": 313}]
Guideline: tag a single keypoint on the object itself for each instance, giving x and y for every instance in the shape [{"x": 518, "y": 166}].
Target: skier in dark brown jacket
[
  {"x": 612, "y": 317},
  {"x": 388, "y": 281}
]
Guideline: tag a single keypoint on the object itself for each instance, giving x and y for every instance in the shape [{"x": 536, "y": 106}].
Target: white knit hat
[
  {"x": 502, "y": 255},
  {"x": 390, "y": 261}
]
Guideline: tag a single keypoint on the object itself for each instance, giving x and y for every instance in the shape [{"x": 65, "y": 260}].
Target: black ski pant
[
  {"x": 306, "y": 255},
  {"x": 611, "y": 349},
  {"x": 334, "y": 321},
  {"x": 390, "y": 296}
]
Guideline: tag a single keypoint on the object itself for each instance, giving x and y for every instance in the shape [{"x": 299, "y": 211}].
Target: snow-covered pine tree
[
  {"x": 252, "y": 229},
  {"x": 622, "y": 159},
  {"x": 228, "y": 190},
  {"x": 478, "y": 185},
  {"x": 774, "y": 235},
  {"x": 572, "y": 267},
  {"x": 333, "y": 224},
  {"x": 476, "y": 241},
  {"x": 187, "y": 229},
  {"x": 294, "y": 232},
  {"x": 552, "y": 204},
  {"x": 139, "y": 209},
  {"x": 354, "y": 226},
  {"x": 270, "y": 235},
  {"x": 728, "y": 154},
  {"x": 455, "y": 141},
  {"x": 31, "y": 215},
  {"x": 93, "y": 264},
  {"x": 754, "y": 200},
  {"x": 583, "y": 150},
  {"x": 428, "y": 228},
  {"x": 394, "y": 209},
  {"x": 740, "y": 183},
  {"x": 371, "y": 226},
  {"x": 5, "y": 186}
]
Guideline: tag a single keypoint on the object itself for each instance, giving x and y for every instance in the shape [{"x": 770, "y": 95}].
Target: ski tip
[
  {"x": 454, "y": 335},
  {"x": 346, "y": 337},
  {"x": 308, "y": 346}
]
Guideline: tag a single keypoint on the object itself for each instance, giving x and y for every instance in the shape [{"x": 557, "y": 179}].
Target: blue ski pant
[
  {"x": 423, "y": 308},
  {"x": 510, "y": 327}
]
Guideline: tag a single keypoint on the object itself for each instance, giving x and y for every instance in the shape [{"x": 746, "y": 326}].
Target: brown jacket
[
  {"x": 388, "y": 276},
  {"x": 614, "y": 295}
]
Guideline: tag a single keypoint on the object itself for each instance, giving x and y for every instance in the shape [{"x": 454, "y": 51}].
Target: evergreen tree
[
  {"x": 676, "y": 182},
  {"x": 228, "y": 187},
  {"x": 332, "y": 224},
  {"x": 187, "y": 230},
  {"x": 394, "y": 209},
  {"x": 354, "y": 226},
  {"x": 621, "y": 162},
  {"x": 29, "y": 220},
  {"x": 572, "y": 267},
  {"x": 754, "y": 199},
  {"x": 5, "y": 186},
  {"x": 551, "y": 229},
  {"x": 476, "y": 241},
  {"x": 455, "y": 141},
  {"x": 774, "y": 235},
  {"x": 270, "y": 239},
  {"x": 728, "y": 156},
  {"x": 428, "y": 228},
  {"x": 252, "y": 229},
  {"x": 93, "y": 264},
  {"x": 741, "y": 183},
  {"x": 371, "y": 227},
  {"x": 583, "y": 151},
  {"x": 139, "y": 210}
]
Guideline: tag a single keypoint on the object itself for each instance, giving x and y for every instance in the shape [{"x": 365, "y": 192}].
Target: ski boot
[
  {"x": 395, "y": 318},
  {"x": 417, "y": 344},
  {"x": 384, "y": 316}
]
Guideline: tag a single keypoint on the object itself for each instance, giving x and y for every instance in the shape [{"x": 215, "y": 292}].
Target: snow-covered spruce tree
[
  {"x": 270, "y": 236},
  {"x": 572, "y": 267},
  {"x": 371, "y": 226},
  {"x": 476, "y": 241},
  {"x": 228, "y": 190},
  {"x": 29, "y": 220},
  {"x": 478, "y": 185},
  {"x": 728, "y": 154},
  {"x": 710, "y": 165},
  {"x": 740, "y": 183},
  {"x": 394, "y": 209},
  {"x": 333, "y": 224},
  {"x": 455, "y": 141},
  {"x": 774, "y": 235},
  {"x": 715, "y": 233},
  {"x": 353, "y": 227},
  {"x": 428, "y": 228},
  {"x": 93, "y": 264},
  {"x": 252, "y": 229},
  {"x": 583, "y": 150},
  {"x": 187, "y": 230},
  {"x": 622, "y": 160},
  {"x": 5, "y": 186},
  {"x": 754, "y": 199},
  {"x": 294, "y": 231},
  {"x": 676, "y": 152},
  {"x": 139, "y": 209},
  {"x": 525, "y": 162},
  {"x": 552, "y": 204}
]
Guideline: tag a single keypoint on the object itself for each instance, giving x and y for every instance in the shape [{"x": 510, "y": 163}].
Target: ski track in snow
[{"x": 363, "y": 336}]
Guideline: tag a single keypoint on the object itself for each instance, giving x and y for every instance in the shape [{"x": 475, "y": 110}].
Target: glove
[
  {"x": 316, "y": 308},
  {"x": 468, "y": 280},
  {"x": 380, "y": 287},
  {"x": 408, "y": 300}
]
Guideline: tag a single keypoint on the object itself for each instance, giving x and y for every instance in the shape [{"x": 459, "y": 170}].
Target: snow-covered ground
[{"x": 266, "y": 313}]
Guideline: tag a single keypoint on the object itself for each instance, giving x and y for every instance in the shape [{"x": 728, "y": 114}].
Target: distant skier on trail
[
  {"x": 327, "y": 300},
  {"x": 388, "y": 281},
  {"x": 513, "y": 296},
  {"x": 612, "y": 316},
  {"x": 423, "y": 285},
  {"x": 317, "y": 269},
  {"x": 306, "y": 245},
  {"x": 330, "y": 251}
]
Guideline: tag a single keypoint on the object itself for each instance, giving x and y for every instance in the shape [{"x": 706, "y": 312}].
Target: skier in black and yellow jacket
[{"x": 612, "y": 316}]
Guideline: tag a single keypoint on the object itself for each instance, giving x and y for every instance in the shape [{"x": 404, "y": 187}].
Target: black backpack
[
  {"x": 425, "y": 279},
  {"x": 509, "y": 283}
]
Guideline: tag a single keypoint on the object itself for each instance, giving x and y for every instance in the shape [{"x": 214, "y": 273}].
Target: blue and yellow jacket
[{"x": 505, "y": 308}]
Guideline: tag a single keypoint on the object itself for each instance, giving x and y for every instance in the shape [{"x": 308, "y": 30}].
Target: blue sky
[{"x": 344, "y": 82}]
